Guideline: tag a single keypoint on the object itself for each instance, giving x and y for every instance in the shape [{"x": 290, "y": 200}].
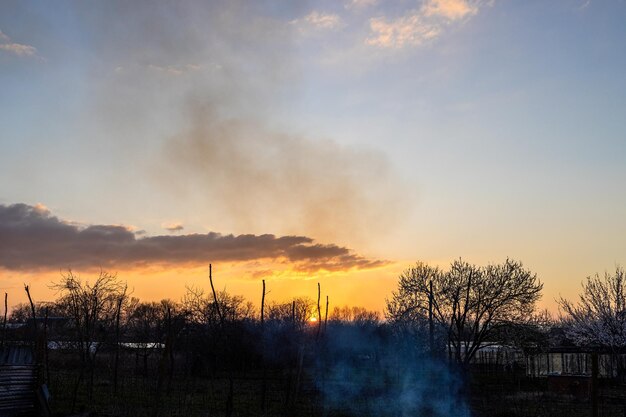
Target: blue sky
[{"x": 404, "y": 130}]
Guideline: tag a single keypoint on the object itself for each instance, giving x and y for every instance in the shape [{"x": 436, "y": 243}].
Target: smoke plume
[{"x": 253, "y": 173}]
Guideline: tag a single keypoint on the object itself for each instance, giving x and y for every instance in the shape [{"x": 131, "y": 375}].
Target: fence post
[{"x": 594, "y": 384}]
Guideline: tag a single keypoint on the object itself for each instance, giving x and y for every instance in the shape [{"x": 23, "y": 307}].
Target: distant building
[
  {"x": 495, "y": 355},
  {"x": 573, "y": 361}
]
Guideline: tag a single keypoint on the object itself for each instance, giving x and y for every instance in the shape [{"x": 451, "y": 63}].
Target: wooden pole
[
  {"x": 264, "y": 381},
  {"x": 319, "y": 310},
  {"x": 117, "y": 344},
  {"x": 431, "y": 326},
  {"x": 217, "y": 304},
  {"x": 30, "y": 300},
  {"x": 36, "y": 347},
  {"x": 171, "y": 340},
  {"x": 4, "y": 323},
  {"x": 326, "y": 315},
  {"x": 594, "y": 384},
  {"x": 164, "y": 359},
  {"x": 263, "y": 304},
  {"x": 32, "y": 309},
  {"x": 46, "y": 374}
]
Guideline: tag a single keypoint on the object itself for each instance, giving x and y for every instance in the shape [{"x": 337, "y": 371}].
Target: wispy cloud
[
  {"x": 32, "y": 239},
  {"x": 420, "y": 25},
  {"x": 360, "y": 4},
  {"x": 18, "y": 49},
  {"x": 317, "y": 21},
  {"x": 409, "y": 30},
  {"x": 450, "y": 9},
  {"x": 175, "y": 70},
  {"x": 6, "y": 44}
]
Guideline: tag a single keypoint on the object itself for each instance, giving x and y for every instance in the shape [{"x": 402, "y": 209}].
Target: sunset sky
[{"x": 302, "y": 142}]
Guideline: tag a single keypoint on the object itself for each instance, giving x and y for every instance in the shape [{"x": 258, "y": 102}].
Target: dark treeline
[
  {"x": 103, "y": 351},
  {"x": 213, "y": 352}
]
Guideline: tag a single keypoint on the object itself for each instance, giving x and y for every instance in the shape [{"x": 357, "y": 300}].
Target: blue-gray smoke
[{"x": 373, "y": 370}]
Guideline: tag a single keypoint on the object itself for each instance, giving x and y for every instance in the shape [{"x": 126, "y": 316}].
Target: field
[{"x": 240, "y": 393}]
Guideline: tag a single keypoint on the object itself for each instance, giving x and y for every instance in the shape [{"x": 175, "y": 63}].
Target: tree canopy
[
  {"x": 469, "y": 303},
  {"x": 599, "y": 317}
]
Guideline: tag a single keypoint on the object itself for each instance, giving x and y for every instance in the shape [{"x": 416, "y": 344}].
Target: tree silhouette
[
  {"x": 599, "y": 317},
  {"x": 469, "y": 303}
]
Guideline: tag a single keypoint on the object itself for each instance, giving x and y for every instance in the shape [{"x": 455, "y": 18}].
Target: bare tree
[
  {"x": 470, "y": 303},
  {"x": 599, "y": 317},
  {"x": 296, "y": 312},
  {"x": 203, "y": 308},
  {"x": 93, "y": 309},
  {"x": 355, "y": 314},
  {"x": 22, "y": 312},
  {"x": 146, "y": 327}
]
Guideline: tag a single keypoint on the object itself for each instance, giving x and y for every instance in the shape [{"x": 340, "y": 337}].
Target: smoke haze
[
  {"x": 221, "y": 78},
  {"x": 252, "y": 173}
]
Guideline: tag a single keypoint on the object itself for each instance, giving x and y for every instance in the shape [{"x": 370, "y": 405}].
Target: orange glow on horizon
[{"x": 364, "y": 288}]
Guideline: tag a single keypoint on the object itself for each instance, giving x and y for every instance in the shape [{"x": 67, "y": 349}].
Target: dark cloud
[
  {"x": 31, "y": 238},
  {"x": 173, "y": 227}
]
